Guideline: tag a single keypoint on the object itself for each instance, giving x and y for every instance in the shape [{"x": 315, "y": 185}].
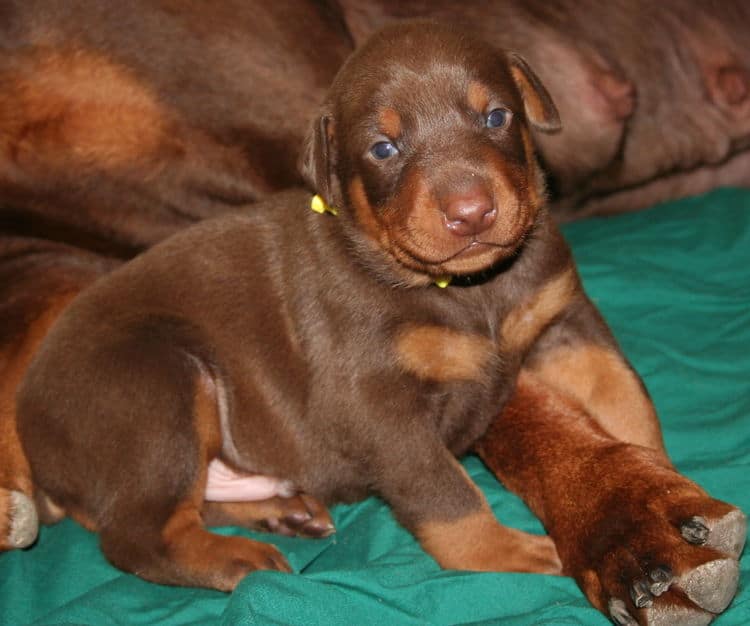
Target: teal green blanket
[{"x": 673, "y": 282}]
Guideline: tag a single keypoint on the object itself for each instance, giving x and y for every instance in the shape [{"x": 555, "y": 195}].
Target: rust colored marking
[
  {"x": 207, "y": 559},
  {"x": 478, "y": 97},
  {"x": 80, "y": 107},
  {"x": 390, "y": 123},
  {"x": 478, "y": 542},
  {"x": 529, "y": 319},
  {"x": 443, "y": 354},
  {"x": 363, "y": 209},
  {"x": 608, "y": 389}
]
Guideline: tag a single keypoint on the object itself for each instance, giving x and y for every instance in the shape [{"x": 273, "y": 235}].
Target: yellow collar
[{"x": 319, "y": 205}]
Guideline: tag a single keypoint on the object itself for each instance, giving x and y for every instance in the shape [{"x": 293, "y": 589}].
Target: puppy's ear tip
[
  {"x": 550, "y": 126},
  {"x": 538, "y": 104},
  {"x": 315, "y": 160}
]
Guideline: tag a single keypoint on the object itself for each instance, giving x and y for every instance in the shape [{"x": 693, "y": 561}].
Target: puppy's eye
[
  {"x": 497, "y": 118},
  {"x": 383, "y": 150}
]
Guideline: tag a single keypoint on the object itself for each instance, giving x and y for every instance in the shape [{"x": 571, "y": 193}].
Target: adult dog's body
[{"x": 317, "y": 349}]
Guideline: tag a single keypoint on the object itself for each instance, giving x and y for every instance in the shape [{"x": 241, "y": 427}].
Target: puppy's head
[{"x": 423, "y": 146}]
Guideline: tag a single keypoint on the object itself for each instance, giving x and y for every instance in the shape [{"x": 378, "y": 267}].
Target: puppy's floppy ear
[
  {"x": 317, "y": 161},
  {"x": 540, "y": 109}
]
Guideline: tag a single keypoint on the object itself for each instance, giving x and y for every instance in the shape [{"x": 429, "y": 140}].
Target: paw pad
[{"x": 24, "y": 522}]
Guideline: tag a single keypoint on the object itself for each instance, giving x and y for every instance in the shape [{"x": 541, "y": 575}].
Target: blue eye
[
  {"x": 383, "y": 150},
  {"x": 497, "y": 118}
]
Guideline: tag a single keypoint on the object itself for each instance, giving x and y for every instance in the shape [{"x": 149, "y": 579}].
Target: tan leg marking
[
  {"x": 209, "y": 559},
  {"x": 478, "y": 542},
  {"x": 525, "y": 323},
  {"x": 600, "y": 379},
  {"x": 443, "y": 354},
  {"x": 213, "y": 560}
]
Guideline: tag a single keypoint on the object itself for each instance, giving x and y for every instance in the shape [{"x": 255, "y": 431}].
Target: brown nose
[{"x": 469, "y": 212}]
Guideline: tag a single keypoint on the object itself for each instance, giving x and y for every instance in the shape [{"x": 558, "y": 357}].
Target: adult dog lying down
[{"x": 363, "y": 351}]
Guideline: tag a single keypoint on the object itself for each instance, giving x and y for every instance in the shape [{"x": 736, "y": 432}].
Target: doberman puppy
[{"x": 362, "y": 349}]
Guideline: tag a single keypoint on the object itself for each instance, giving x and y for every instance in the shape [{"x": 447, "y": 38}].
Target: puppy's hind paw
[{"x": 18, "y": 520}]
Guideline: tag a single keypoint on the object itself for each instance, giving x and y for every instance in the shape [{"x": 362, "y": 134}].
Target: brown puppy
[{"x": 317, "y": 349}]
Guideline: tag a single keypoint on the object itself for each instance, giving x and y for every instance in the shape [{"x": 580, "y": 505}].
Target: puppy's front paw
[{"x": 19, "y": 523}]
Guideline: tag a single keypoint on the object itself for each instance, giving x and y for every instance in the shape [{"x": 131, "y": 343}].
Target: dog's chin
[{"x": 472, "y": 258}]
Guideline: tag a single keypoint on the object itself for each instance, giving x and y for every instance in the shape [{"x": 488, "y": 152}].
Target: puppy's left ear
[
  {"x": 538, "y": 105},
  {"x": 317, "y": 161}
]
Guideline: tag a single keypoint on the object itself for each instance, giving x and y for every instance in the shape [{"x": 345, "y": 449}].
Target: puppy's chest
[
  {"x": 470, "y": 343},
  {"x": 470, "y": 361}
]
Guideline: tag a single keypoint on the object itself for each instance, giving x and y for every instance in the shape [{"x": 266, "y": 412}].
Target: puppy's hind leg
[
  {"x": 160, "y": 535},
  {"x": 128, "y": 425}
]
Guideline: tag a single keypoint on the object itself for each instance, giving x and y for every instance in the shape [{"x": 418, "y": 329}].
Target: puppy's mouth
[
  {"x": 476, "y": 248},
  {"x": 474, "y": 255}
]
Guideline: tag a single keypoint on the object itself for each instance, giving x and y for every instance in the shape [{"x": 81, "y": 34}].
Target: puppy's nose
[{"x": 469, "y": 212}]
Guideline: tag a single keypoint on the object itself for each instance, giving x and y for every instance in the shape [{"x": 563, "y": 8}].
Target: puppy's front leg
[{"x": 433, "y": 496}]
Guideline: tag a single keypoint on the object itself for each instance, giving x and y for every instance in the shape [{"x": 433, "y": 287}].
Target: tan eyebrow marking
[
  {"x": 478, "y": 96},
  {"x": 390, "y": 122}
]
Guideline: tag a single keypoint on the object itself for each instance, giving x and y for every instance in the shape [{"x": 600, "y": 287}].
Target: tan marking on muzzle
[
  {"x": 363, "y": 210},
  {"x": 443, "y": 354}
]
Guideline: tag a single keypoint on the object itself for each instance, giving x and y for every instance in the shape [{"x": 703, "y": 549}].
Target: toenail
[
  {"x": 640, "y": 594},
  {"x": 298, "y": 518},
  {"x": 619, "y": 613},
  {"x": 694, "y": 530},
  {"x": 661, "y": 580}
]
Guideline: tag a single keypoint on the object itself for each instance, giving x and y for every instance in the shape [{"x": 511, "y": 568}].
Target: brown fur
[
  {"x": 316, "y": 374},
  {"x": 523, "y": 325},
  {"x": 601, "y": 380},
  {"x": 613, "y": 69},
  {"x": 431, "y": 493},
  {"x": 611, "y": 506}
]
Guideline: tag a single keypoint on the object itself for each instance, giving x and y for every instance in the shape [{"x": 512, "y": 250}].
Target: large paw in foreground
[{"x": 660, "y": 551}]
